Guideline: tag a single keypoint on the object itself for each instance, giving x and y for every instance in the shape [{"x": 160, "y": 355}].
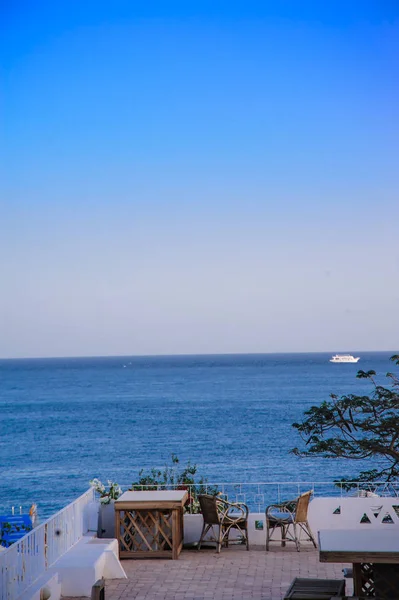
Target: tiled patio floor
[{"x": 233, "y": 574}]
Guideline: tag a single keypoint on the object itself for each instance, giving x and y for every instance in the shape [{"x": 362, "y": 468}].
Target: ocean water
[{"x": 65, "y": 421}]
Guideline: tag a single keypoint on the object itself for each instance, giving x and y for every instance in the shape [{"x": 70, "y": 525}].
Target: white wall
[{"x": 323, "y": 514}]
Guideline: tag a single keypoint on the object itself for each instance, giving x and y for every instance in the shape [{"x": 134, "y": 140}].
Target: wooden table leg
[
  {"x": 181, "y": 527},
  {"x": 357, "y": 579},
  {"x": 117, "y": 528},
  {"x": 156, "y": 527},
  {"x": 175, "y": 534},
  {"x": 363, "y": 579}
]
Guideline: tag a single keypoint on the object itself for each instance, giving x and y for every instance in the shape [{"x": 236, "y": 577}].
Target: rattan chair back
[
  {"x": 209, "y": 509},
  {"x": 301, "y": 511}
]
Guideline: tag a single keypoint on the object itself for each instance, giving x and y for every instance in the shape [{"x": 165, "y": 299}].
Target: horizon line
[{"x": 180, "y": 355}]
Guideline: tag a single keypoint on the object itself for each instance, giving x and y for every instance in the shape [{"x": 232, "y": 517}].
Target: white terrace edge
[{"x": 28, "y": 560}]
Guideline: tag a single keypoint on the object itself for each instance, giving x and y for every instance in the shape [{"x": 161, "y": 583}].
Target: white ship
[{"x": 344, "y": 358}]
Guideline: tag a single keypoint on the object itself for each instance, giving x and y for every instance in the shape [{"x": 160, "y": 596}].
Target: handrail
[
  {"x": 258, "y": 495},
  {"x": 26, "y": 560}
]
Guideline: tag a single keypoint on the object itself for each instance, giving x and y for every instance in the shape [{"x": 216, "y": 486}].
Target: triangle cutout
[
  {"x": 387, "y": 518},
  {"x": 376, "y": 510},
  {"x": 365, "y": 519}
]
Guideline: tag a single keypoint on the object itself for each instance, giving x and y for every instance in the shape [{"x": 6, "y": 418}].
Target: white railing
[
  {"x": 14, "y": 510},
  {"x": 260, "y": 494},
  {"x": 26, "y": 560}
]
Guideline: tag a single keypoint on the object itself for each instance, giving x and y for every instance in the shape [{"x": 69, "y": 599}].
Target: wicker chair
[
  {"x": 292, "y": 518},
  {"x": 226, "y": 515}
]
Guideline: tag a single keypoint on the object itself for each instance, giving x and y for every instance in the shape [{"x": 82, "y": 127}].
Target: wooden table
[
  {"x": 150, "y": 524},
  {"x": 374, "y": 554}
]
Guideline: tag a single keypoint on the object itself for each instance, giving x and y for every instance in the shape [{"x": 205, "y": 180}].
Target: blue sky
[{"x": 183, "y": 177}]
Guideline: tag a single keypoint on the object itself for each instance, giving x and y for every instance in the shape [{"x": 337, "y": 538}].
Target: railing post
[{"x": 46, "y": 546}]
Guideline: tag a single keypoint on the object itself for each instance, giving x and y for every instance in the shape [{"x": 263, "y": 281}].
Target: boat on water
[{"x": 344, "y": 358}]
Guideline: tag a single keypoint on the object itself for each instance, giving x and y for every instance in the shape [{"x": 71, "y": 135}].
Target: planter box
[{"x": 106, "y": 521}]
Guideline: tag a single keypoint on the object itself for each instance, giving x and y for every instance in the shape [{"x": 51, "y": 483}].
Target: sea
[{"x": 64, "y": 421}]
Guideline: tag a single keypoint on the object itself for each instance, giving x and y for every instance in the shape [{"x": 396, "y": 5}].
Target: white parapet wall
[
  {"x": 29, "y": 559},
  {"x": 353, "y": 513},
  {"x": 324, "y": 513},
  {"x": 256, "y": 529},
  {"x": 88, "y": 561}
]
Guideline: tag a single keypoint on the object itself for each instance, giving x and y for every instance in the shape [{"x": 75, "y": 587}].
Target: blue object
[
  {"x": 281, "y": 516},
  {"x": 13, "y": 528}
]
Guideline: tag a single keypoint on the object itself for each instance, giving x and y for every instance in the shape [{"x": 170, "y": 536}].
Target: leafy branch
[{"x": 357, "y": 427}]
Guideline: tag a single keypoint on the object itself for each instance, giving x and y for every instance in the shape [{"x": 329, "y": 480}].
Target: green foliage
[
  {"x": 358, "y": 428},
  {"x": 175, "y": 477},
  {"x": 7, "y": 528},
  {"x": 106, "y": 494}
]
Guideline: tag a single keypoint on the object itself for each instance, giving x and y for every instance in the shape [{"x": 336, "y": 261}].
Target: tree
[
  {"x": 175, "y": 477},
  {"x": 357, "y": 427}
]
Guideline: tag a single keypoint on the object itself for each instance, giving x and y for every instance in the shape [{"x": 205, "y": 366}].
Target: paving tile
[{"x": 234, "y": 574}]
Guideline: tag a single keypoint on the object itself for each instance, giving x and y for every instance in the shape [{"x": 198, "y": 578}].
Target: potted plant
[{"x": 106, "y": 516}]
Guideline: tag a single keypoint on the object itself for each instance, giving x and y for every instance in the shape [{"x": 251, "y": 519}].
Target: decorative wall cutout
[
  {"x": 387, "y": 518},
  {"x": 376, "y": 510},
  {"x": 365, "y": 519},
  {"x": 355, "y": 513}
]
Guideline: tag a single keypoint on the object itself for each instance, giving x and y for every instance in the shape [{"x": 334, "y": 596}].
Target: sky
[{"x": 198, "y": 177}]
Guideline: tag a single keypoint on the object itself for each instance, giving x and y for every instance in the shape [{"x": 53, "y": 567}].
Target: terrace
[
  {"x": 232, "y": 574},
  {"x": 40, "y": 558}
]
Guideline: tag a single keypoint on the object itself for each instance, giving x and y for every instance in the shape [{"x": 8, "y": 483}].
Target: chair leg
[
  {"x": 306, "y": 528},
  {"x": 269, "y": 534},
  {"x": 205, "y": 529},
  {"x": 220, "y": 539},
  {"x": 284, "y": 530},
  {"x": 226, "y": 534},
  {"x": 242, "y": 530},
  {"x": 296, "y": 538}
]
